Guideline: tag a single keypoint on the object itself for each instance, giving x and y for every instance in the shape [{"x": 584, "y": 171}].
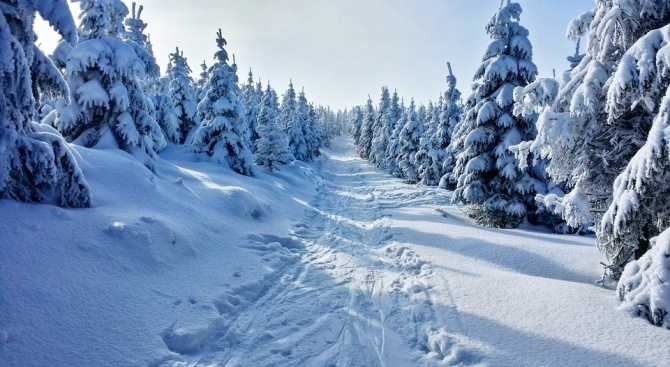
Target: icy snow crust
[{"x": 330, "y": 264}]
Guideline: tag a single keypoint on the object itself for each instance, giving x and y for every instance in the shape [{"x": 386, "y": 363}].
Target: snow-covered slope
[{"x": 325, "y": 264}]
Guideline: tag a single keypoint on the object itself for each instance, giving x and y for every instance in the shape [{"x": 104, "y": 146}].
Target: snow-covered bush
[
  {"x": 644, "y": 287},
  {"x": 36, "y": 164},
  {"x": 223, "y": 133}
]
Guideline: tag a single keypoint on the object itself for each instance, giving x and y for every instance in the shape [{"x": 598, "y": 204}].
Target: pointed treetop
[
  {"x": 449, "y": 66},
  {"x": 221, "y": 55}
]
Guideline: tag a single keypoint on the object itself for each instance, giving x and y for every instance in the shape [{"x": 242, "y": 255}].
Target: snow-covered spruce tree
[
  {"x": 108, "y": 106},
  {"x": 295, "y": 124},
  {"x": 312, "y": 133},
  {"x": 637, "y": 211},
  {"x": 272, "y": 143},
  {"x": 201, "y": 83},
  {"x": 182, "y": 93},
  {"x": 396, "y": 112},
  {"x": 165, "y": 110},
  {"x": 251, "y": 99},
  {"x": 428, "y": 158},
  {"x": 223, "y": 132},
  {"x": 379, "y": 130},
  {"x": 408, "y": 141},
  {"x": 450, "y": 118},
  {"x": 288, "y": 105},
  {"x": 365, "y": 141},
  {"x": 36, "y": 164},
  {"x": 589, "y": 143},
  {"x": 498, "y": 193},
  {"x": 356, "y": 123}
]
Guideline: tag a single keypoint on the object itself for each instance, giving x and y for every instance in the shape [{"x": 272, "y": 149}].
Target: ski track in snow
[{"x": 344, "y": 291}]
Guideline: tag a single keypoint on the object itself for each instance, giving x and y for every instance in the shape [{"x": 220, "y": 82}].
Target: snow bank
[{"x": 141, "y": 277}]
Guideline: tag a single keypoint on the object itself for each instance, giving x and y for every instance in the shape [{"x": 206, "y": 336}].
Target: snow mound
[
  {"x": 189, "y": 339},
  {"x": 147, "y": 240},
  {"x": 443, "y": 347},
  {"x": 644, "y": 286},
  {"x": 243, "y": 203}
]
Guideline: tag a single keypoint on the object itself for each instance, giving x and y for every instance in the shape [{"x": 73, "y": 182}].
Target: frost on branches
[
  {"x": 108, "y": 106},
  {"x": 490, "y": 182},
  {"x": 36, "y": 164},
  {"x": 224, "y": 132}
]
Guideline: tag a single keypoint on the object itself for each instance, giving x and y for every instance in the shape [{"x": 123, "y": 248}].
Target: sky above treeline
[{"x": 342, "y": 50}]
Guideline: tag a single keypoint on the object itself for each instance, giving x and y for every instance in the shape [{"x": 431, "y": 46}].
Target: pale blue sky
[{"x": 343, "y": 50}]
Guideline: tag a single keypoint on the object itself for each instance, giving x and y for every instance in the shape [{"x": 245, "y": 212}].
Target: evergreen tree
[
  {"x": 587, "y": 134},
  {"x": 430, "y": 156},
  {"x": 272, "y": 143},
  {"x": 409, "y": 140},
  {"x": 201, "y": 83},
  {"x": 288, "y": 106},
  {"x": 251, "y": 100},
  {"x": 450, "y": 117},
  {"x": 296, "y": 129},
  {"x": 312, "y": 133},
  {"x": 396, "y": 111},
  {"x": 381, "y": 133},
  {"x": 356, "y": 123},
  {"x": 223, "y": 132},
  {"x": 497, "y": 192},
  {"x": 108, "y": 106},
  {"x": 165, "y": 111},
  {"x": 36, "y": 164},
  {"x": 365, "y": 141},
  {"x": 637, "y": 213},
  {"x": 182, "y": 93}
]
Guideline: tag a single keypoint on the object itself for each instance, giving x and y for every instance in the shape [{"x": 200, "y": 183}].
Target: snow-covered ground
[{"x": 325, "y": 264}]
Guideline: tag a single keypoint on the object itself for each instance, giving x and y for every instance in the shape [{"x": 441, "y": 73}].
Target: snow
[{"x": 328, "y": 263}]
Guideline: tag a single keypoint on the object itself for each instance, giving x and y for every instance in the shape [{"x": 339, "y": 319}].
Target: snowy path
[
  {"x": 380, "y": 273},
  {"x": 353, "y": 296}
]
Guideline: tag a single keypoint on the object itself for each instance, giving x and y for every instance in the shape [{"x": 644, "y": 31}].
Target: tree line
[
  {"x": 102, "y": 88},
  {"x": 587, "y": 149}
]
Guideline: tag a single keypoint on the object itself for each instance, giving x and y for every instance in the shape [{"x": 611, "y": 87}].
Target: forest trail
[{"x": 350, "y": 294}]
